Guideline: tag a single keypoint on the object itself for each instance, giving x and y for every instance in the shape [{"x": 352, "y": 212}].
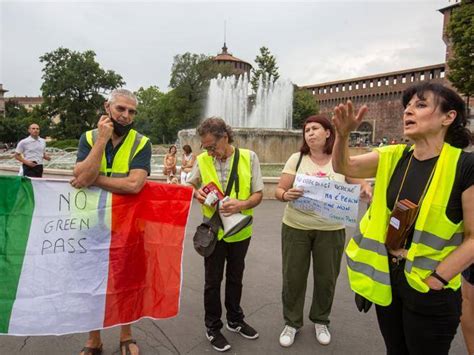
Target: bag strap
[
  {"x": 215, "y": 221},
  {"x": 233, "y": 176},
  {"x": 299, "y": 162}
]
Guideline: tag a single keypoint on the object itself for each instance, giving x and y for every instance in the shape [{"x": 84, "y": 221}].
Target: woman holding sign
[
  {"x": 306, "y": 234},
  {"x": 418, "y": 234}
]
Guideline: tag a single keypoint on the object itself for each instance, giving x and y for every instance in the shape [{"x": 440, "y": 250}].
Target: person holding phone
[{"x": 115, "y": 158}]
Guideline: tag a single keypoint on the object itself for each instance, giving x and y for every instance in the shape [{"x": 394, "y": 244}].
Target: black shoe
[
  {"x": 218, "y": 341},
  {"x": 243, "y": 329}
]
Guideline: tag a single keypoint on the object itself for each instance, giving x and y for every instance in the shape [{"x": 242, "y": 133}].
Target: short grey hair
[
  {"x": 121, "y": 92},
  {"x": 217, "y": 127}
]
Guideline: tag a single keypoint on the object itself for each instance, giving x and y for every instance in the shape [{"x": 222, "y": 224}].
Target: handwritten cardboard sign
[{"x": 336, "y": 201}]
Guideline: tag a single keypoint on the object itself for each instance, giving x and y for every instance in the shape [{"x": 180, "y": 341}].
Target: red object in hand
[{"x": 213, "y": 187}]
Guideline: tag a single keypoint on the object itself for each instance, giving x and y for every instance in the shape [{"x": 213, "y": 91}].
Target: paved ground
[{"x": 353, "y": 333}]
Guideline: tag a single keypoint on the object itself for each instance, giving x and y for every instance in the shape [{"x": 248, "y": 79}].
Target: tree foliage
[
  {"x": 148, "y": 107},
  {"x": 17, "y": 120},
  {"x": 266, "y": 67},
  {"x": 304, "y": 105},
  {"x": 461, "y": 33},
  {"x": 190, "y": 77},
  {"x": 74, "y": 87}
]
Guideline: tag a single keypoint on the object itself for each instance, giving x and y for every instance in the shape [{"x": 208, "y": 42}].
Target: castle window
[
  {"x": 379, "y": 83},
  {"x": 387, "y": 82},
  {"x": 364, "y": 85},
  {"x": 441, "y": 75},
  {"x": 422, "y": 77},
  {"x": 357, "y": 86},
  {"x": 404, "y": 79},
  {"x": 350, "y": 87},
  {"x": 371, "y": 84}
]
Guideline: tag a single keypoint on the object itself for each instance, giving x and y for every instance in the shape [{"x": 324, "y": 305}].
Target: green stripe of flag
[{"x": 16, "y": 210}]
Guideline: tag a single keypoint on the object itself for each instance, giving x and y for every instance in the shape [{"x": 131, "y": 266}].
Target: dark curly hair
[
  {"x": 327, "y": 125},
  {"x": 446, "y": 99},
  {"x": 217, "y": 127}
]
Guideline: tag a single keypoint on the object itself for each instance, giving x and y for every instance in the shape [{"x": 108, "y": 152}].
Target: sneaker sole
[
  {"x": 329, "y": 342},
  {"x": 238, "y": 332},
  {"x": 227, "y": 347}
]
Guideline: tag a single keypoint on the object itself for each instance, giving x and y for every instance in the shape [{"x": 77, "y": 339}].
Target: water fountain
[{"x": 264, "y": 127}]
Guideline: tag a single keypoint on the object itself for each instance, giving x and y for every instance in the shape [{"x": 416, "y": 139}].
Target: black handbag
[{"x": 205, "y": 237}]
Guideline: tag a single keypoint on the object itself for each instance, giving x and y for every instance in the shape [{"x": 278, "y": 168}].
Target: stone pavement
[{"x": 352, "y": 332}]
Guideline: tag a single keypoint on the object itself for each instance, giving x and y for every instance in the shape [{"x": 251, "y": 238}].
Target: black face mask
[{"x": 120, "y": 130}]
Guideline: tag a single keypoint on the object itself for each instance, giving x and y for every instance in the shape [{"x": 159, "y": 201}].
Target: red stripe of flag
[{"x": 145, "y": 253}]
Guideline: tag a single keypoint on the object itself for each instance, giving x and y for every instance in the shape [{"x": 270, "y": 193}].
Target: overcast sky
[{"x": 313, "y": 41}]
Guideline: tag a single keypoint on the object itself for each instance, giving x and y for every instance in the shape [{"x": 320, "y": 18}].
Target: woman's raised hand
[{"x": 345, "y": 120}]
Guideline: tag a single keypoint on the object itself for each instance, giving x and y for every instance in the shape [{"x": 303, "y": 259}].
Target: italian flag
[{"x": 78, "y": 260}]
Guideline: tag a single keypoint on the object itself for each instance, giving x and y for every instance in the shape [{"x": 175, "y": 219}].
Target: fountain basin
[{"x": 272, "y": 146}]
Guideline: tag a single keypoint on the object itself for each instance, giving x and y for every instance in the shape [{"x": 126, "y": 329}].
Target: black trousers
[
  {"x": 36, "y": 171},
  {"x": 418, "y": 323},
  {"x": 234, "y": 254}
]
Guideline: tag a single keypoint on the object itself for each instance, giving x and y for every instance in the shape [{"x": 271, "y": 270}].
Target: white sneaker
[
  {"x": 322, "y": 333},
  {"x": 287, "y": 336}
]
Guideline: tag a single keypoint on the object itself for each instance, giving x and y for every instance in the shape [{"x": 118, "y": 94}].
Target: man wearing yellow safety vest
[
  {"x": 418, "y": 234},
  {"x": 214, "y": 165},
  {"x": 115, "y": 158}
]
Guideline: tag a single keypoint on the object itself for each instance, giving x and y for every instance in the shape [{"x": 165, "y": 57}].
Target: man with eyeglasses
[
  {"x": 214, "y": 165},
  {"x": 31, "y": 152},
  {"x": 115, "y": 158}
]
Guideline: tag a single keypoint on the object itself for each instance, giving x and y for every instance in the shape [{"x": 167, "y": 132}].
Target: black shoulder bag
[{"x": 205, "y": 238}]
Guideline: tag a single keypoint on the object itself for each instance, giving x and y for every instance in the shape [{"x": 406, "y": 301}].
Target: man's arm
[
  {"x": 233, "y": 205},
  {"x": 19, "y": 157},
  {"x": 132, "y": 184},
  {"x": 86, "y": 172}
]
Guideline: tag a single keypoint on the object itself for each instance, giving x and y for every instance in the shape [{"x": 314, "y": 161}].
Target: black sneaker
[
  {"x": 243, "y": 329},
  {"x": 218, "y": 341}
]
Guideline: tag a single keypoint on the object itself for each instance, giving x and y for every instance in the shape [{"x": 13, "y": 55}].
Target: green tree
[
  {"x": 17, "y": 120},
  {"x": 266, "y": 68},
  {"x": 190, "y": 77},
  {"x": 461, "y": 34},
  {"x": 148, "y": 108},
  {"x": 73, "y": 88},
  {"x": 304, "y": 105},
  {"x": 13, "y": 109}
]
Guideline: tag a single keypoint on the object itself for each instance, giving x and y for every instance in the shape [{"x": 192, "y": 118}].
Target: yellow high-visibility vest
[
  {"x": 434, "y": 238},
  {"x": 131, "y": 146},
  {"x": 244, "y": 170}
]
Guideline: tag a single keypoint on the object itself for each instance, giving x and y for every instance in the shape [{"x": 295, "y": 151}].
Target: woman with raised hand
[
  {"x": 307, "y": 235},
  {"x": 418, "y": 234}
]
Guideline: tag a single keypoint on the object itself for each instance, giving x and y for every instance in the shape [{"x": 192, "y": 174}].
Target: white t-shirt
[
  {"x": 32, "y": 149},
  {"x": 306, "y": 220}
]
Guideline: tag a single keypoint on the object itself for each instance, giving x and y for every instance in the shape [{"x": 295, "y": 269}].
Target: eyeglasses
[
  {"x": 211, "y": 148},
  {"x": 122, "y": 109}
]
